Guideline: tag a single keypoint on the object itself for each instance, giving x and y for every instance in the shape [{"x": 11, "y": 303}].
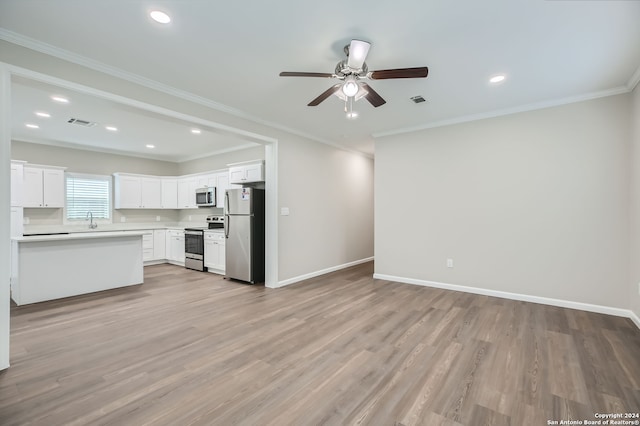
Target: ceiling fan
[{"x": 352, "y": 71}]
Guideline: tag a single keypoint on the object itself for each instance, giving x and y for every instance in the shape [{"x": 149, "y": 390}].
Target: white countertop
[
  {"x": 103, "y": 231},
  {"x": 108, "y": 227},
  {"x": 77, "y": 236}
]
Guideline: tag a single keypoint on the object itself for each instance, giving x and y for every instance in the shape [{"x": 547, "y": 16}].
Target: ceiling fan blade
[
  {"x": 324, "y": 95},
  {"x": 358, "y": 51},
  {"x": 372, "y": 96},
  {"x": 419, "y": 72},
  {"x": 305, "y": 74}
]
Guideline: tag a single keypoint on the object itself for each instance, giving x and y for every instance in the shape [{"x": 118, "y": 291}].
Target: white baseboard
[
  {"x": 517, "y": 296},
  {"x": 321, "y": 272},
  {"x": 635, "y": 319}
]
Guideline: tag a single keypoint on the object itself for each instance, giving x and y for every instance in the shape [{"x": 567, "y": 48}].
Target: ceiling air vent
[
  {"x": 418, "y": 99},
  {"x": 83, "y": 123}
]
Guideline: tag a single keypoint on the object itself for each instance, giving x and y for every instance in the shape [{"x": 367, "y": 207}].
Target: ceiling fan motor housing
[
  {"x": 352, "y": 71},
  {"x": 343, "y": 70}
]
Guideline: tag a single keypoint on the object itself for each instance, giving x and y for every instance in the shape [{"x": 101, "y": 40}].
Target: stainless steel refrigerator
[{"x": 244, "y": 232}]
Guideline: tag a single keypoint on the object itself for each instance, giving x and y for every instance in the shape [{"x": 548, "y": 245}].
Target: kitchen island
[{"x": 48, "y": 267}]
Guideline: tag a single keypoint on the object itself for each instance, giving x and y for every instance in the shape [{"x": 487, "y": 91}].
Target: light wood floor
[{"x": 190, "y": 348}]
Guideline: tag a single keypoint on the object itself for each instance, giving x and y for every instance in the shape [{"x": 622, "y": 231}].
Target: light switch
[{"x": 284, "y": 211}]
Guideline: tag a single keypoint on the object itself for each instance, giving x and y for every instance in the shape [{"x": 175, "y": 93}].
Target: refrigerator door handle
[{"x": 226, "y": 216}]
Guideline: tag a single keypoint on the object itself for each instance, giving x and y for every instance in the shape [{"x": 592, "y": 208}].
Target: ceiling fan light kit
[
  {"x": 352, "y": 71},
  {"x": 350, "y": 87}
]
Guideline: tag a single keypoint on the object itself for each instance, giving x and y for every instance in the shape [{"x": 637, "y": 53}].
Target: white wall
[
  {"x": 85, "y": 161},
  {"x": 298, "y": 159},
  {"x": 634, "y": 296},
  {"x": 92, "y": 162},
  {"x": 220, "y": 161},
  {"x": 5, "y": 202},
  {"x": 534, "y": 203},
  {"x": 329, "y": 194}
]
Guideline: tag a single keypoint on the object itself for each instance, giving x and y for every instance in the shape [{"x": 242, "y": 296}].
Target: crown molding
[
  {"x": 82, "y": 147},
  {"x": 506, "y": 111},
  {"x": 218, "y": 152},
  {"x": 66, "y": 55},
  {"x": 634, "y": 80},
  {"x": 165, "y": 158}
]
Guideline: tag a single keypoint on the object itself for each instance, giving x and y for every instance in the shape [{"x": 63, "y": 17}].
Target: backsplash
[{"x": 55, "y": 217}]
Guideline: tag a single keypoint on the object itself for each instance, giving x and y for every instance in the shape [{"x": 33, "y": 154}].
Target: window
[{"x": 88, "y": 193}]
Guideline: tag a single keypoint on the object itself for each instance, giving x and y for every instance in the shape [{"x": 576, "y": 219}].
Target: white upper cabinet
[
  {"x": 137, "y": 192},
  {"x": 169, "y": 193},
  {"x": 133, "y": 191},
  {"x": 207, "y": 180},
  {"x": 250, "y": 172},
  {"x": 17, "y": 177},
  {"x": 222, "y": 184},
  {"x": 127, "y": 192},
  {"x": 43, "y": 186},
  {"x": 151, "y": 193},
  {"x": 219, "y": 180},
  {"x": 187, "y": 192}
]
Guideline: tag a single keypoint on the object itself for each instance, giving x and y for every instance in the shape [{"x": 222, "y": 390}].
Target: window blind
[{"x": 87, "y": 193}]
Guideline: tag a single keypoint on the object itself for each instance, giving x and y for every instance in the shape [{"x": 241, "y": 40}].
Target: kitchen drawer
[
  {"x": 214, "y": 236},
  {"x": 147, "y": 253},
  {"x": 147, "y": 242}
]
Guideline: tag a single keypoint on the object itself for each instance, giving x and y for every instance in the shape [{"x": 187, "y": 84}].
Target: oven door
[
  {"x": 194, "y": 250},
  {"x": 194, "y": 244}
]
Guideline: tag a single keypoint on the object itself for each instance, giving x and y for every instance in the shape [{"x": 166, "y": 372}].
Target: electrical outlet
[
  {"x": 25, "y": 220},
  {"x": 123, "y": 219},
  {"x": 157, "y": 218},
  {"x": 189, "y": 218},
  {"x": 449, "y": 263}
]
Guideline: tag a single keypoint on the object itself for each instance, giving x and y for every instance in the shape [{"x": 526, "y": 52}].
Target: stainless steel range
[
  {"x": 194, "y": 249},
  {"x": 194, "y": 243}
]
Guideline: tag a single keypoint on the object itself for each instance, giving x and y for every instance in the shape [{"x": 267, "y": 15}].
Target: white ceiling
[
  {"x": 171, "y": 138},
  {"x": 230, "y": 53}
]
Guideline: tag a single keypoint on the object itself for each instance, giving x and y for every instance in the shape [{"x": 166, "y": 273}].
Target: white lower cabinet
[
  {"x": 159, "y": 244},
  {"x": 154, "y": 245},
  {"x": 214, "y": 251},
  {"x": 147, "y": 246},
  {"x": 175, "y": 246}
]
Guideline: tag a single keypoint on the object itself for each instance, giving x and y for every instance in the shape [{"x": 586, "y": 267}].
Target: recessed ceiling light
[
  {"x": 160, "y": 17},
  {"x": 32, "y": 126},
  {"x": 196, "y": 131},
  {"x": 43, "y": 114},
  {"x": 497, "y": 79},
  {"x": 111, "y": 128},
  {"x": 150, "y": 146},
  {"x": 60, "y": 99}
]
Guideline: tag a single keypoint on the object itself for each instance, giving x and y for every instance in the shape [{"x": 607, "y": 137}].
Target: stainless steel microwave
[{"x": 206, "y": 197}]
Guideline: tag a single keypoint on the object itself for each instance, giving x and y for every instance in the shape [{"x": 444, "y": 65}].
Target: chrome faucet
[{"x": 90, "y": 218}]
